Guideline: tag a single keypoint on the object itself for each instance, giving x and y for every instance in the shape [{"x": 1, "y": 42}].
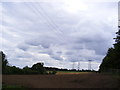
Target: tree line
[
  {"x": 112, "y": 58},
  {"x": 37, "y": 68}
]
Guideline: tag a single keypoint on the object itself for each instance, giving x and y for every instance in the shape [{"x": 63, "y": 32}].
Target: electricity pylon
[
  {"x": 78, "y": 66},
  {"x": 89, "y": 64}
]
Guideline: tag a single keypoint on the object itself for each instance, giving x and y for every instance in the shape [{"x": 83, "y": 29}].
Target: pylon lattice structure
[
  {"x": 89, "y": 64},
  {"x": 78, "y": 66}
]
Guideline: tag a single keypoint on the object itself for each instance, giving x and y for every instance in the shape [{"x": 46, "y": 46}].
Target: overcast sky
[{"x": 58, "y": 32}]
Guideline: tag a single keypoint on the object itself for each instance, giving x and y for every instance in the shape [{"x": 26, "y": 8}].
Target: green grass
[
  {"x": 12, "y": 87},
  {"x": 70, "y": 72},
  {"x": 116, "y": 76}
]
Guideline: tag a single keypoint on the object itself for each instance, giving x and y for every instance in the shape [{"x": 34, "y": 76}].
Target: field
[
  {"x": 81, "y": 80},
  {"x": 70, "y": 72}
]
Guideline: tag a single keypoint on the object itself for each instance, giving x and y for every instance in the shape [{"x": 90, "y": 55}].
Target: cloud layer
[{"x": 58, "y": 33}]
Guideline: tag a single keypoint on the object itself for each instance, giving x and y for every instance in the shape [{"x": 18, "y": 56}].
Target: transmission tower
[
  {"x": 78, "y": 66},
  {"x": 73, "y": 65},
  {"x": 89, "y": 64}
]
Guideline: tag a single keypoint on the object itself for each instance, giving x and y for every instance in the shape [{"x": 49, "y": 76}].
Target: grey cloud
[
  {"x": 24, "y": 55},
  {"x": 57, "y": 35},
  {"x": 56, "y": 57},
  {"x": 23, "y": 47}
]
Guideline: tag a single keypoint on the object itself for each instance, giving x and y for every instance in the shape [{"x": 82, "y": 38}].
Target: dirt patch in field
[{"x": 88, "y": 80}]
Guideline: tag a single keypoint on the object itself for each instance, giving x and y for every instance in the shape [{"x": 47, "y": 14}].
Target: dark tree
[
  {"x": 117, "y": 39},
  {"x": 4, "y": 61},
  {"x": 39, "y": 67},
  {"x": 112, "y": 58}
]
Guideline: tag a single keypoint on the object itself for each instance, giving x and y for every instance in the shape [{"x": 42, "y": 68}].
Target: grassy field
[
  {"x": 70, "y": 72},
  {"x": 13, "y": 87}
]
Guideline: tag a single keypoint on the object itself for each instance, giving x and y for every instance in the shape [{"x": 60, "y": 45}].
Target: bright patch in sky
[{"x": 74, "y": 6}]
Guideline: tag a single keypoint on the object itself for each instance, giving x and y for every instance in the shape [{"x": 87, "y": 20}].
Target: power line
[{"x": 49, "y": 21}]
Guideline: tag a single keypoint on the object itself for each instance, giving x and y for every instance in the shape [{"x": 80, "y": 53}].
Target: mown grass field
[{"x": 70, "y": 72}]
